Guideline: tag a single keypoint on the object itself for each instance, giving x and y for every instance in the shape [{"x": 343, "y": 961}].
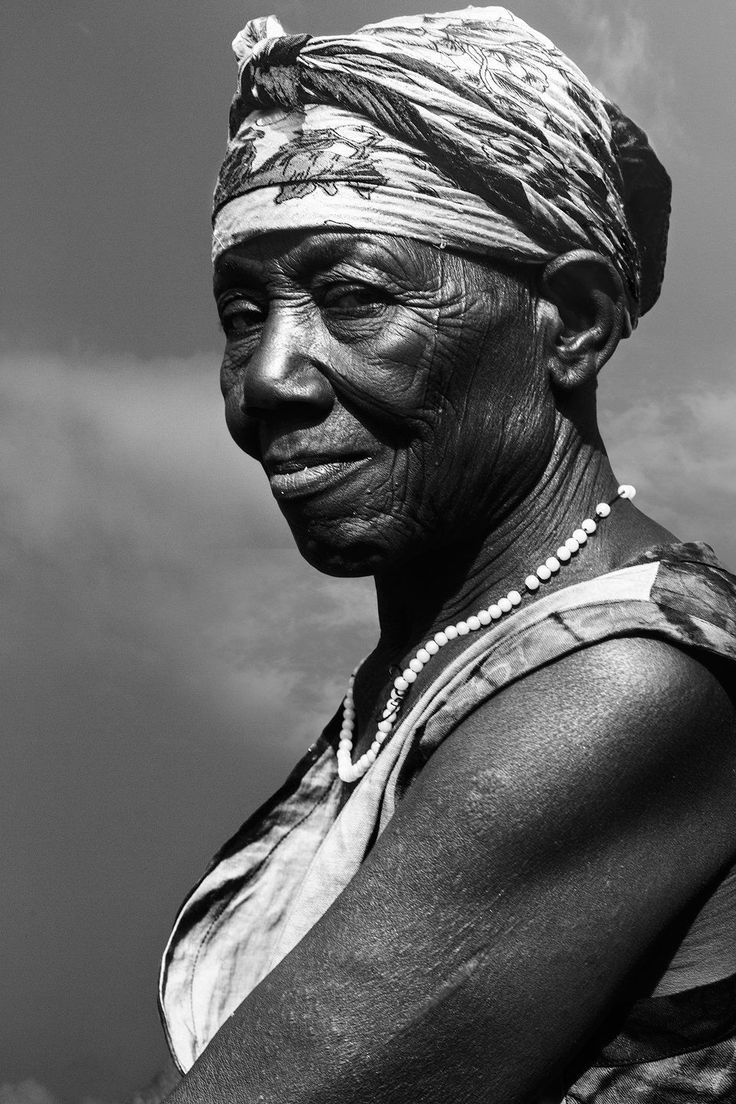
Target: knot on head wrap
[{"x": 466, "y": 129}]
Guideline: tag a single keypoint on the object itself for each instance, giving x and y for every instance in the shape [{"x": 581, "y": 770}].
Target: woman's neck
[{"x": 425, "y": 594}]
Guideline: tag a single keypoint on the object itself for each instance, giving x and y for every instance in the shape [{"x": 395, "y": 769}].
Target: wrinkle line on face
[{"x": 440, "y": 388}]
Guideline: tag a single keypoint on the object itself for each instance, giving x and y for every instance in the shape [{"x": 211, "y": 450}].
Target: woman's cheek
[
  {"x": 400, "y": 353},
  {"x": 389, "y": 395}
]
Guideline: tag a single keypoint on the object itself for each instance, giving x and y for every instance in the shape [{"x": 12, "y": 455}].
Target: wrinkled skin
[
  {"x": 415, "y": 360},
  {"x": 460, "y": 400},
  {"x": 559, "y": 831}
]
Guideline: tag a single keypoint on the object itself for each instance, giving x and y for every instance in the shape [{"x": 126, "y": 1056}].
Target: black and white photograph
[{"x": 368, "y": 553}]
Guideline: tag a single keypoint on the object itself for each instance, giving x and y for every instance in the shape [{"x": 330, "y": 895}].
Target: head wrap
[{"x": 466, "y": 130}]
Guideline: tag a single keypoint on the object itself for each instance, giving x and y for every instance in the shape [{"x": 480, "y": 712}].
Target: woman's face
[{"x": 390, "y": 391}]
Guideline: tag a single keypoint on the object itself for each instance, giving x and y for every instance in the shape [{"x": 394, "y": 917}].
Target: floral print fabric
[{"x": 465, "y": 129}]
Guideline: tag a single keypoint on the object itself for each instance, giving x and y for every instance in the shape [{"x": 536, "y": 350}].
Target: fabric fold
[{"x": 464, "y": 129}]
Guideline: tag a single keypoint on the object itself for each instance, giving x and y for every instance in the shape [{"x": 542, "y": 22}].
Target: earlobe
[{"x": 588, "y": 317}]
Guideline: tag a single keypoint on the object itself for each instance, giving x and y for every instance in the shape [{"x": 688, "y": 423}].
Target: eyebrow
[
  {"x": 231, "y": 268},
  {"x": 309, "y": 257}
]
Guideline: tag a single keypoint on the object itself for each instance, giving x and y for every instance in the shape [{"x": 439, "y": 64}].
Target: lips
[{"x": 296, "y": 476}]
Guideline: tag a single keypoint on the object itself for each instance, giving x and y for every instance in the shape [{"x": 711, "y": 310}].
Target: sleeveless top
[{"x": 281, "y": 871}]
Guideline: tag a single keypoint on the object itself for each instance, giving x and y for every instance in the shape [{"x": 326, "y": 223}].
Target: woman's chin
[
  {"x": 346, "y": 550},
  {"x": 357, "y": 546},
  {"x": 344, "y": 561}
]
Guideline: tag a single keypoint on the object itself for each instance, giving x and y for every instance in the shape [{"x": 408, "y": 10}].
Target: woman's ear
[{"x": 588, "y": 319}]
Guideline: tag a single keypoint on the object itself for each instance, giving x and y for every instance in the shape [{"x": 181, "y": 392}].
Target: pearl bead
[
  {"x": 589, "y": 526},
  {"x": 401, "y": 684},
  {"x": 580, "y": 536},
  {"x": 572, "y": 545},
  {"x": 544, "y": 573},
  {"x": 626, "y": 491},
  {"x": 531, "y": 582},
  {"x": 563, "y": 554},
  {"x": 345, "y": 743},
  {"x": 553, "y": 564},
  {"x": 370, "y": 755},
  {"x": 463, "y": 628},
  {"x": 376, "y": 746},
  {"x": 385, "y": 726},
  {"x": 484, "y": 617},
  {"x": 504, "y": 605},
  {"x": 514, "y": 597},
  {"x": 495, "y": 612},
  {"x": 409, "y": 675},
  {"x": 440, "y": 638},
  {"x": 416, "y": 665},
  {"x": 473, "y": 623},
  {"x": 451, "y": 632},
  {"x": 423, "y": 655},
  {"x": 432, "y": 647},
  {"x": 603, "y": 509},
  {"x": 346, "y": 732}
]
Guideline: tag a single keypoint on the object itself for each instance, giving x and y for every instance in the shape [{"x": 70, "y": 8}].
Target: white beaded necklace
[{"x": 350, "y": 771}]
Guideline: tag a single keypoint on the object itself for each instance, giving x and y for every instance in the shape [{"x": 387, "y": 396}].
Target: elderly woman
[{"x": 503, "y": 872}]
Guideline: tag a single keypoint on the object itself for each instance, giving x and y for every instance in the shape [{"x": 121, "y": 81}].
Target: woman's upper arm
[{"x": 533, "y": 861}]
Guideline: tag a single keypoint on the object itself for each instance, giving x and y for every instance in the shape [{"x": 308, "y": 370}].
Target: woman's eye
[
  {"x": 240, "y": 317},
  {"x": 358, "y": 300}
]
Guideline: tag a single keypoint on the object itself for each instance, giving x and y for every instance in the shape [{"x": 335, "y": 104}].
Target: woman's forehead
[{"x": 304, "y": 252}]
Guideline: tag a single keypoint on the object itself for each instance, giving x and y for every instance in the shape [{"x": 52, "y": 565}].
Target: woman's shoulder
[
  {"x": 666, "y": 615},
  {"x": 633, "y": 707},
  {"x": 637, "y": 666}
]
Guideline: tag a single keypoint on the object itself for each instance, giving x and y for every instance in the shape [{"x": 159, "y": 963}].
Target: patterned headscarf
[{"x": 467, "y": 130}]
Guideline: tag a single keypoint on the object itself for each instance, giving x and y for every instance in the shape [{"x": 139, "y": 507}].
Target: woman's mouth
[{"x": 310, "y": 475}]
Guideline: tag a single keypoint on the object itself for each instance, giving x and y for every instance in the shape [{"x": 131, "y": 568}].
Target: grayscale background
[{"x": 166, "y": 655}]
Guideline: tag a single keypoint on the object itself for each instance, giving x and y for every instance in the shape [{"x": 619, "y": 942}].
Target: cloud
[
  {"x": 33, "y": 1092},
  {"x": 123, "y": 446},
  {"x": 126, "y": 498},
  {"x": 680, "y": 452},
  {"x": 619, "y": 47},
  {"x": 26, "y": 1092},
  {"x": 614, "y": 48},
  {"x": 30, "y": 1091},
  {"x": 166, "y": 658}
]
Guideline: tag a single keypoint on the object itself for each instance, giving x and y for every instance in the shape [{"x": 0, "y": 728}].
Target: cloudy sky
[{"x": 166, "y": 655}]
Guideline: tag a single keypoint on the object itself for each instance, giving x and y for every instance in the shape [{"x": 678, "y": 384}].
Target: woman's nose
[{"x": 285, "y": 368}]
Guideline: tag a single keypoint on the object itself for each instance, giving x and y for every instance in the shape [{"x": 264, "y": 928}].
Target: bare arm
[{"x": 541, "y": 851}]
